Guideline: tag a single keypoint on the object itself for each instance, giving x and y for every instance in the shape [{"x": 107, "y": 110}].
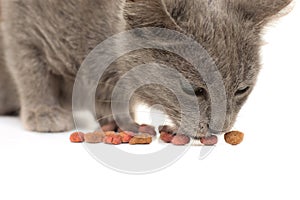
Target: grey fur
[{"x": 45, "y": 42}]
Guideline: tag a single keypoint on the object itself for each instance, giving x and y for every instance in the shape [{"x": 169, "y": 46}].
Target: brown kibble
[
  {"x": 210, "y": 140},
  {"x": 234, "y": 137},
  {"x": 96, "y": 137},
  {"x": 144, "y": 128},
  {"x": 113, "y": 139},
  {"x": 141, "y": 139},
  {"x": 77, "y": 137},
  {"x": 126, "y": 136},
  {"x": 180, "y": 139},
  {"x": 167, "y": 129},
  {"x": 166, "y": 137}
]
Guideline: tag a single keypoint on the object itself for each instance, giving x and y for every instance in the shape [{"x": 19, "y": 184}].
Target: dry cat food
[
  {"x": 126, "y": 136},
  {"x": 166, "y": 137},
  {"x": 144, "y": 128},
  {"x": 234, "y": 137},
  {"x": 96, "y": 137},
  {"x": 209, "y": 140},
  {"x": 114, "y": 139},
  {"x": 141, "y": 139},
  {"x": 180, "y": 139},
  {"x": 77, "y": 137},
  {"x": 167, "y": 134}
]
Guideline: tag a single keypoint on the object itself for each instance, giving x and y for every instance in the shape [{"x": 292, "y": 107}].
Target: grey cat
[{"x": 45, "y": 42}]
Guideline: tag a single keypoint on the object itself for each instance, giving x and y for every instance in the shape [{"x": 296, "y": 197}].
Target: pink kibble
[
  {"x": 144, "y": 128},
  {"x": 180, "y": 139},
  {"x": 210, "y": 140}
]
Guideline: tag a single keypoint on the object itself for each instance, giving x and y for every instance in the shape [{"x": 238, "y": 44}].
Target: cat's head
[{"x": 229, "y": 30}]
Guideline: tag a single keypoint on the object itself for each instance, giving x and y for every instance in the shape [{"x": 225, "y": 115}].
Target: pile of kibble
[{"x": 145, "y": 134}]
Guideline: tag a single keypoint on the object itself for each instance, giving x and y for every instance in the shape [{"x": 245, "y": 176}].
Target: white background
[{"x": 266, "y": 165}]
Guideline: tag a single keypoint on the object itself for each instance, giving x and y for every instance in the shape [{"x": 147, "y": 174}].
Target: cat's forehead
[{"x": 233, "y": 44}]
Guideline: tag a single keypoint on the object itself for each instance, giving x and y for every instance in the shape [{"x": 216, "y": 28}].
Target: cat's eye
[
  {"x": 192, "y": 89},
  {"x": 242, "y": 91},
  {"x": 198, "y": 91}
]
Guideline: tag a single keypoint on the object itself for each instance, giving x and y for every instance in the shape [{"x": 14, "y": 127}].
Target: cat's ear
[
  {"x": 259, "y": 11},
  {"x": 148, "y": 13}
]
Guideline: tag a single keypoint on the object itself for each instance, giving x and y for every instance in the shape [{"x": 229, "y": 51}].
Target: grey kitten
[{"x": 45, "y": 42}]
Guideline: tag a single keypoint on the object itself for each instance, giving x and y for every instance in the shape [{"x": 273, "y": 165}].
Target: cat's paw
[{"x": 47, "y": 119}]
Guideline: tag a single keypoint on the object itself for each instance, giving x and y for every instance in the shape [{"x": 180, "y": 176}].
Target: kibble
[
  {"x": 234, "y": 137},
  {"x": 96, "y": 137},
  {"x": 126, "y": 136},
  {"x": 168, "y": 134},
  {"x": 209, "y": 140},
  {"x": 77, "y": 137},
  {"x": 180, "y": 139},
  {"x": 166, "y": 137},
  {"x": 144, "y": 128},
  {"x": 141, "y": 139},
  {"x": 113, "y": 139}
]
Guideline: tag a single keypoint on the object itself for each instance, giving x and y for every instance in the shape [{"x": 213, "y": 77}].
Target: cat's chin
[
  {"x": 198, "y": 137},
  {"x": 218, "y": 132},
  {"x": 209, "y": 133}
]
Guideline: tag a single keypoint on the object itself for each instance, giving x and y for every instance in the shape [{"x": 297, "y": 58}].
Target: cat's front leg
[
  {"x": 39, "y": 90},
  {"x": 40, "y": 105}
]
